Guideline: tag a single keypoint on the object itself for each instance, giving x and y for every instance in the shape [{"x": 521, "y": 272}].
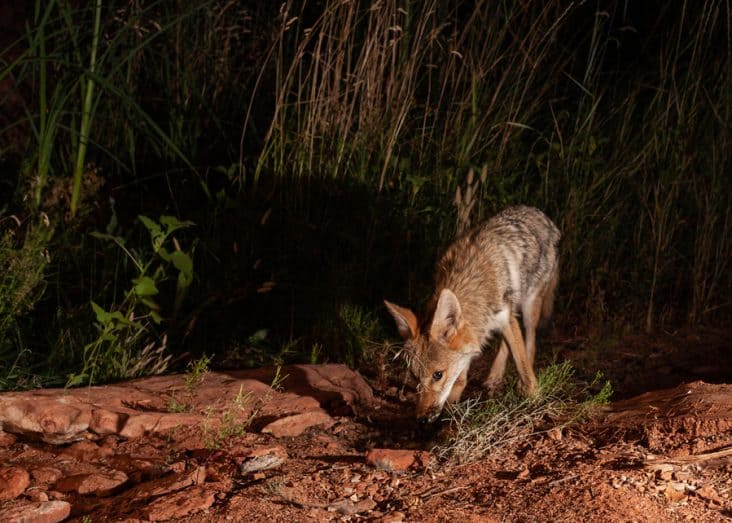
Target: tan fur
[
  {"x": 463, "y": 337},
  {"x": 503, "y": 268}
]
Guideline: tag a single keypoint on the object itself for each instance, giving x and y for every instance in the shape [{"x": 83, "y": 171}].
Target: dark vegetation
[{"x": 250, "y": 180}]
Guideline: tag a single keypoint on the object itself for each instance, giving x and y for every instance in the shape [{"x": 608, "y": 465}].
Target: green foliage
[
  {"x": 359, "y": 331},
  {"x": 327, "y": 151},
  {"x": 122, "y": 348},
  {"x": 23, "y": 264}
]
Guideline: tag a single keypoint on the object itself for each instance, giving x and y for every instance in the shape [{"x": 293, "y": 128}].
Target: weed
[
  {"x": 122, "y": 348},
  {"x": 481, "y": 426},
  {"x": 237, "y": 415},
  {"x": 176, "y": 406},
  {"x": 23, "y": 265},
  {"x": 197, "y": 370},
  {"x": 316, "y": 351},
  {"x": 358, "y": 329}
]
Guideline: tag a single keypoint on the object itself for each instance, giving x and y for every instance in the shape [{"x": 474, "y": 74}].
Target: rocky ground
[{"x": 323, "y": 445}]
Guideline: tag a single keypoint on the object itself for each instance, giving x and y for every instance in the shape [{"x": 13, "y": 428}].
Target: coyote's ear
[
  {"x": 447, "y": 317},
  {"x": 405, "y": 319}
]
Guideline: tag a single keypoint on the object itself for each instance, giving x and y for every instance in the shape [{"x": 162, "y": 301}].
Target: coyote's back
[
  {"x": 504, "y": 267},
  {"x": 500, "y": 263}
]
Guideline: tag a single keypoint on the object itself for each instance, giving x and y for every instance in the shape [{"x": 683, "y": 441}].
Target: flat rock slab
[
  {"x": 291, "y": 426},
  {"x": 150, "y": 405},
  {"x": 61, "y": 416},
  {"x": 97, "y": 484},
  {"x": 37, "y": 512},
  {"x": 45, "y": 475},
  {"x": 180, "y": 504},
  {"x": 336, "y": 388},
  {"x": 673, "y": 415}
]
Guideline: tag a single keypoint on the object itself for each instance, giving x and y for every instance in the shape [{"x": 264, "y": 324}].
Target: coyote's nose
[{"x": 424, "y": 420}]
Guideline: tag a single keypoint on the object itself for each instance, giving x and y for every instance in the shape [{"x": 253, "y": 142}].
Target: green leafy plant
[{"x": 122, "y": 348}]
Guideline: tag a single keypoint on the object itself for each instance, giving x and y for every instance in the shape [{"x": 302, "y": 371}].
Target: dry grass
[{"x": 482, "y": 426}]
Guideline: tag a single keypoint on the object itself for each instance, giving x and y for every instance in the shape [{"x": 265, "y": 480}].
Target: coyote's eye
[{"x": 437, "y": 375}]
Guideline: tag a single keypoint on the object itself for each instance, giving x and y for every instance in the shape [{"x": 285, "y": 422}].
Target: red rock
[
  {"x": 139, "y": 425},
  {"x": 299, "y": 423},
  {"x": 174, "y": 483},
  {"x": 43, "y": 475},
  {"x": 138, "y": 469},
  {"x": 98, "y": 484},
  {"x": 277, "y": 450},
  {"x": 333, "y": 385},
  {"x": 180, "y": 504},
  {"x": 396, "y": 460},
  {"x": 86, "y": 451},
  {"x": 13, "y": 482},
  {"x": 105, "y": 422},
  {"x": 54, "y": 420},
  {"x": 710, "y": 494},
  {"x": 393, "y": 517},
  {"x": 36, "y": 512},
  {"x": 281, "y": 404},
  {"x": 36, "y": 495},
  {"x": 264, "y": 458},
  {"x": 7, "y": 440},
  {"x": 60, "y": 416},
  {"x": 348, "y": 507}
]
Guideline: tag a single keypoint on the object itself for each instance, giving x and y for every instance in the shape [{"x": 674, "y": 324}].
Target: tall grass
[
  {"x": 411, "y": 98},
  {"x": 23, "y": 262},
  {"x": 87, "y": 80},
  {"x": 326, "y": 151},
  {"x": 385, "y": 91}
]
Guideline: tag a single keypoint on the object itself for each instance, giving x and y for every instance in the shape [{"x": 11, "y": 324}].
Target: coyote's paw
[{"x": 530, "y": 390}]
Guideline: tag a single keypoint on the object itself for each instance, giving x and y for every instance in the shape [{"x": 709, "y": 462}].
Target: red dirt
[{"x": 665, "y": 455}]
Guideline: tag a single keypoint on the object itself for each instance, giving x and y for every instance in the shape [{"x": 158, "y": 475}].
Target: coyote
[{"x": 503, "y": 267}]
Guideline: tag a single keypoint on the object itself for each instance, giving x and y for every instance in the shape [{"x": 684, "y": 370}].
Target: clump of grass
[
  {"x": 23, "y": 264},
  {"x": 234, "y": 420},
  {"x": 237, "y": 415},
  {"x": 197, "y": 370},
  {"x": 359, "y": 328},
  {"x": 481, "y": 426}
]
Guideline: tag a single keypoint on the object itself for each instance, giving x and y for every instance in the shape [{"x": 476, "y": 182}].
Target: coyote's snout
[{"x": 502, "y": 268}]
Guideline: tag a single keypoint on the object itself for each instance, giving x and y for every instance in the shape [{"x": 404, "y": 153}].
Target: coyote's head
[{"x": 439, "y": 351}]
